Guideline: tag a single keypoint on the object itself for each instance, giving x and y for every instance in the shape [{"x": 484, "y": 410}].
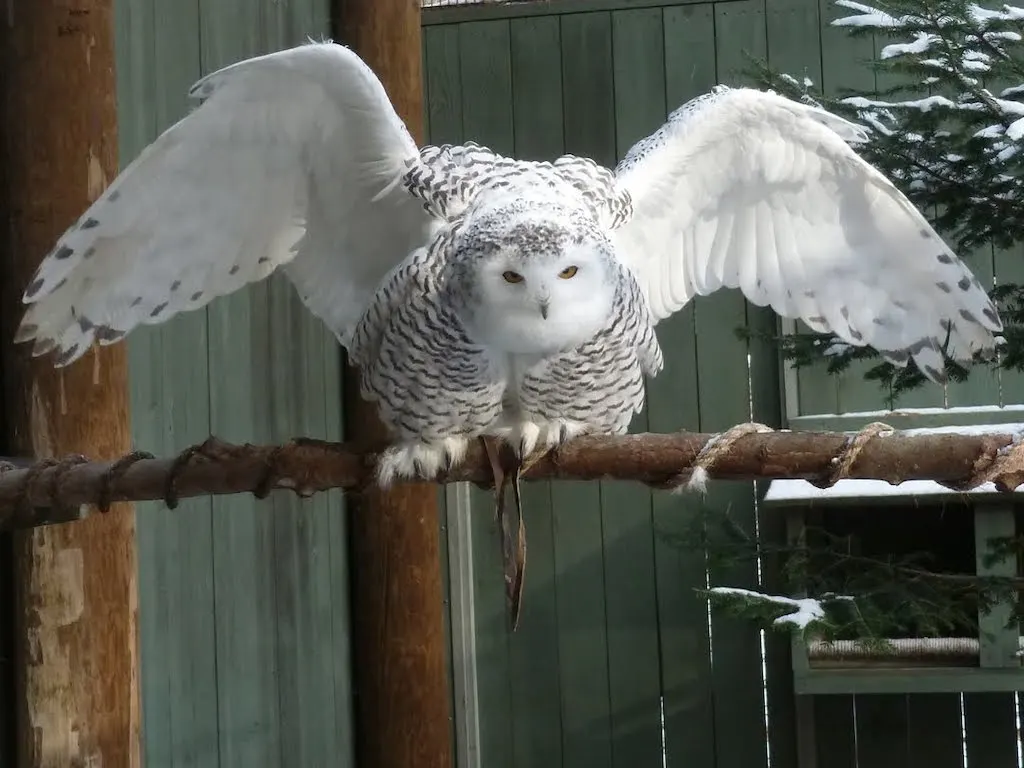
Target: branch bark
[
  {"x": 74, "y": 611},
  {"x": 45, "y": 494}
]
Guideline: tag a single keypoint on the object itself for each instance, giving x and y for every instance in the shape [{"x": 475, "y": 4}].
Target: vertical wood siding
[
  {"x": 243, "y": 603},
  {"x": 613, "y": 639}
]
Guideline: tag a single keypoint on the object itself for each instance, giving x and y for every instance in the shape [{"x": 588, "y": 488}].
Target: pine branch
[
  {"x": 947, "y": 136},
  {"x": 56, "y": 491},
  {"x": 866, "y": 598}
]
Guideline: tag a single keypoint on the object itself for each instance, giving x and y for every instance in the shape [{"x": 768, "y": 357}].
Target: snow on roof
[
  {"x": 979, "y": 409},
  {"x": 801, "y": 490}
]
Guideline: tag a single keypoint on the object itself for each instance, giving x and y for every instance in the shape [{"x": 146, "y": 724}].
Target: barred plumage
[{"x": 485, "y": 295}]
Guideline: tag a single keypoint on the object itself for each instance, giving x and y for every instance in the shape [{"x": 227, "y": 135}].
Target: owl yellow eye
[
  {"x": 568, "y": 272},
  {"x": 512, "y": 277}
]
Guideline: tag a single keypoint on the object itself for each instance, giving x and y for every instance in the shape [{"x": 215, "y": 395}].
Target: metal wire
[{"x": 443, "y": 3}]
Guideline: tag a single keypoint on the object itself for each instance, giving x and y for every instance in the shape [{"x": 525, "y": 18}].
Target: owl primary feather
[{"x": 482, "y": 295}]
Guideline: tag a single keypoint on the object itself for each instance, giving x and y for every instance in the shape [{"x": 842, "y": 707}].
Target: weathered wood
[
  {"x": 533, "y": 673},
  {"x": 682, "y": 615},
  {"x": 479, "y": 11},
  {"x": 882, "y": 731},
  {"x": 75, "y": 589},
  {"x": 627, "y": 527},
  {"x": 309, "y": 466},
  {"x": 402, "y": 703},
  {"x": 158, "y": 59},
  {"x": 990, "y": 722},
  {"x": 485, "y": 115}
]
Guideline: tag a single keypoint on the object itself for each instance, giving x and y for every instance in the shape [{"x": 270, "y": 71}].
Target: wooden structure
[
  {"x": 615, "y": 661},
  {"x": 244, "y": 616},
  {"x": 72, "y": 609},
  {"x": 244, "y": 605},
  {"x": 398, "y": 628}
]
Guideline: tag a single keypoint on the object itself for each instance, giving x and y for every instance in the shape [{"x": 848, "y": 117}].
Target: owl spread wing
[
  {"x": 290, "y": 161},
  {"x": 743, "y": 188}
]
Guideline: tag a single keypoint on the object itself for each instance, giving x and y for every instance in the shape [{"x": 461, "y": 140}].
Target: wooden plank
[
  {"x": 537, "y": 88},
  {"x": 991, "y": 730},
  {"x": 933, "y": 730},
  {"x": 486, "y": 62},
  {"x": 312, "y": 643},
  {"x": 243, "y": 531},
  {"x": 672, "y": 404},
  {"x": 443, "y": 108},
  {"x": 794, "y": 38},
  {"x": 794, "y": 46},
  {"x": 304, "y": 398},
  {"x": 169, "y": 412},
  {"x": 465, "y": 693},
  {"x": 589, "y": 110},
  {"x": 724, "y": 392},
  {"x": 910, "y": 680},
  {"x": 1000, "y": 638},
  {"x": 443, "y": 83},
  {"x": 1009, "y": 268},
  {"x": 582, "y": 627},
  {"x": 982, "y": 386},
  {"x": 882, "y": 731},
  {"x": 441, "y": 15},
  {"x": 340, "y": 629},
  {"x": 630, "y": 588},
  {"x": 533, "y": 651},
  {"x": 72, "y": 620},
  {"x": 494, "y": 694},
  {"x": 835, "y": 732},
  {"x": 938, "y": 417},
  {"x": 841, "y": 67},
  {"x": 486, "y": 104},
  {"x": 928, "y": 395},
  {"x": 447, "y": 607},
  {"x": 588, "y": 82}
]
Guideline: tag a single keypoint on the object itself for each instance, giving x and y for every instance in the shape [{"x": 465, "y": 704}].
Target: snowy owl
[{"x": 486, "y": 296}]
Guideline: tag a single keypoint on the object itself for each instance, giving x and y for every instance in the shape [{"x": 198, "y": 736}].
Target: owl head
[{"x": 537, "y": 275}]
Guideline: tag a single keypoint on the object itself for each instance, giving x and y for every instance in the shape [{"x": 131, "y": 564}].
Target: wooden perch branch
[{"x": 50, "y": 492}]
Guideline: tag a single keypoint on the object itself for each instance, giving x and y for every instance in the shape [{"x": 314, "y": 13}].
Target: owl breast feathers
[{"x": 482, "y": 295}]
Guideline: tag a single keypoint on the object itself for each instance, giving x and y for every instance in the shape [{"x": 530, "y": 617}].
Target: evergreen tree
[{"x": 949, "y": 136}]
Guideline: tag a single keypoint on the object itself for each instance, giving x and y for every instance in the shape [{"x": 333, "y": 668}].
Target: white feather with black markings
[
  {"x": 482, "y": 295},
  {"x": 747, "y": 189}
]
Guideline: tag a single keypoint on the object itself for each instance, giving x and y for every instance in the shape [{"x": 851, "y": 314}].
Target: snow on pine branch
[
  {"x": 950, "y": 131},
  {"x": 945, "y": 122},
  {"x": 797, "y": 613}
]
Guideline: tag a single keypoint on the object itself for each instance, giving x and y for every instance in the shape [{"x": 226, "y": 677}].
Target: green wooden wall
[
  {"x": 613, "y": 640},
  {"x": 243, "y": 604},
  {"x": 612, "y": 637}
]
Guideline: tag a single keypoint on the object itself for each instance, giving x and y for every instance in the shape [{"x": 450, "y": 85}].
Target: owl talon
[{"x": 420, "y": 460}]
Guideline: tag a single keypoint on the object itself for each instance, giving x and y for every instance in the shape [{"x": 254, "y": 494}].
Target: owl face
[{"x": 542, "y": 297}]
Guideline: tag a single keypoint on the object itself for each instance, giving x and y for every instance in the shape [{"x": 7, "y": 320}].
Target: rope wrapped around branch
[{"x": 57, "y": 491}]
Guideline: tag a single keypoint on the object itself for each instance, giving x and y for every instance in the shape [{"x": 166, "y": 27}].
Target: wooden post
[
  {"x": 74, "y": 584},
  {"x": 402, "y": 707}
]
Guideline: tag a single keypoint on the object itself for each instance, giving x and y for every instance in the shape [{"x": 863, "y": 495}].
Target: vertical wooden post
[
  {"x": 75, "y": 590},
  {"x": 402, "y": 707}
]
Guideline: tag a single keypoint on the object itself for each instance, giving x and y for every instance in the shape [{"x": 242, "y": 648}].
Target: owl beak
[{"x": 544, "y": 308}]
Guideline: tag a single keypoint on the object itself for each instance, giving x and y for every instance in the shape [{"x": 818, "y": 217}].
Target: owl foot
[
  {"x": 534, "y": 440},
  {"x": 416, "y": 460}
]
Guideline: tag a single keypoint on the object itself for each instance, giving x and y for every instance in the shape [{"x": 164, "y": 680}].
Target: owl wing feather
[
  {"x": 291, "y": 160},
  {"x": 743, "y": 188}
]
